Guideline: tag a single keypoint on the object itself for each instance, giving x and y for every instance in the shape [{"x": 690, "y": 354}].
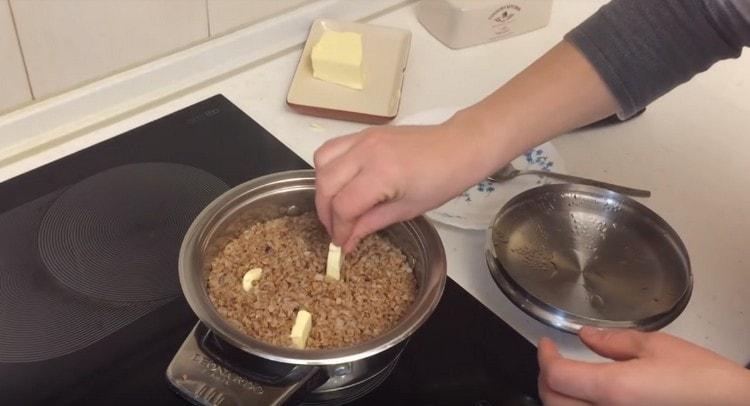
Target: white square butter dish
[{"x": 385, "y": 51}]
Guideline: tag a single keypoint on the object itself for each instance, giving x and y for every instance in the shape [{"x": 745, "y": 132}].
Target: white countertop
[{"x": 688, "y": 149}]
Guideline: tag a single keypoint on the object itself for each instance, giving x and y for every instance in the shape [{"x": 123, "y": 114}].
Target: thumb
[
  {"x": 546, "y": 352},
  {"x": 572, "y": 379},
  {"x": 616, "y": 344}
]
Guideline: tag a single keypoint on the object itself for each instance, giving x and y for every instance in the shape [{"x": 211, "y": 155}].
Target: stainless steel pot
[{"x": 290, "y": 193}]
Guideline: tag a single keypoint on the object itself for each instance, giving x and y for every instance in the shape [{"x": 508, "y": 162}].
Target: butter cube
[
  {"x": 337, "y": 58},
  {"x": 301, "y": 329},
  {"x": 250, "y": 277},
  {"x": 335, "y": 259}
]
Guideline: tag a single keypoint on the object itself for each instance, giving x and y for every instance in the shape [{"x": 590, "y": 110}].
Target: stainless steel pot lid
[{"x": 572, "y": 255}]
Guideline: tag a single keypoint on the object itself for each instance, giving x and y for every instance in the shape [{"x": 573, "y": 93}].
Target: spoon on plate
[{"x": 508, "y": 172}]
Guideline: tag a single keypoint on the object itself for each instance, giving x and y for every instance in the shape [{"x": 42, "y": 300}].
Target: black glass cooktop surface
[{"x": 90, "y": 306}]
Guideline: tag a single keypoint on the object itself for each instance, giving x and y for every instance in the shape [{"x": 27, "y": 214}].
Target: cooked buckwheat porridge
[{"x": 377, "y": 285}]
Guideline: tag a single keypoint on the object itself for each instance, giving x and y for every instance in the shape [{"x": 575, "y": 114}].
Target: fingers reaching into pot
[{"x": 382, "y": 175}]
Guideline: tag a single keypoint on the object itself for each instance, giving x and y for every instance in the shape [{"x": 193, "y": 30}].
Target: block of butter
[
  {"x": 337, "y": 58},
  {"x": 301, "y": 329},
  {"x": 333, "y": 265},
  {"x": 250, "y": 278}
]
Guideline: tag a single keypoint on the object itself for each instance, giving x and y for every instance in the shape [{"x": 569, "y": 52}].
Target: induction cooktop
[{"x": 91, "y": 310}]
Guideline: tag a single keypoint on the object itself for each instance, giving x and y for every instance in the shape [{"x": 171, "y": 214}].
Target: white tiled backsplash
[
  {"x": 66, "y": 43},
  {"x": 228, "y": 15},
  {"x": 14, "y": 88}
]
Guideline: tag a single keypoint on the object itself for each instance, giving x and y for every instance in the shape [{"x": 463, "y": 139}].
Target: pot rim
[{"x": 194, "y": 288}]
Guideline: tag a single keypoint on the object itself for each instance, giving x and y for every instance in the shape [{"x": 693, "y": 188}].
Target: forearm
[
  {"x": 557, "y": 93},
  {"x": 644, "y": 48},
  {"x": 620, "y": 59}
]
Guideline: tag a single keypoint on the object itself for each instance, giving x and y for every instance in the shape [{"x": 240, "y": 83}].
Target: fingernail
[{"x": 546, "y": 341}]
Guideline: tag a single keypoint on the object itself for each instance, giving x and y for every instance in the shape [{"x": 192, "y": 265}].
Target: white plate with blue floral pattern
[{"x": 475, "y": 208}]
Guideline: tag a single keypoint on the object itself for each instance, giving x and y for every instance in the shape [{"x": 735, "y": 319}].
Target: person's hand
[
  {"x": 382, "y": 175},
  {"x": 649, "y": 369}
]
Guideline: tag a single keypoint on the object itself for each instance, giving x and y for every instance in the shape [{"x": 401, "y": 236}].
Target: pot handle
[{"x": 203, "y": 381}]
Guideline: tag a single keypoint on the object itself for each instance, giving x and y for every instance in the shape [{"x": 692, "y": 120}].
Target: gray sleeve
[{"x": 644, "y": 48}]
